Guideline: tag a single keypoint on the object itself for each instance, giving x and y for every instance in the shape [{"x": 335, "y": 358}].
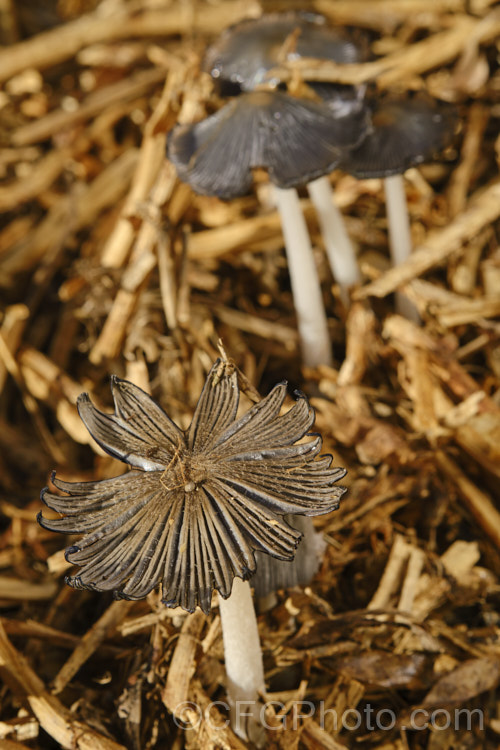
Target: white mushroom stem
[
  {"x": 398, "y": 219},
  {"x": 306, "y": 290},
  {"x": 243, "y": 660},
  {"x": 399, "y": 236},
  {"x": 339, "y": 249}
]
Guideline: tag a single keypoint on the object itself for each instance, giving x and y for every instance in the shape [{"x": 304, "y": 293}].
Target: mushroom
[
  {"x": 242, "y": 58},
  {"x": 196, "y": 506},
  {"x": 296, "y": 140},
  {"x": 343, "y": 101},
  {"x": 245, "y": 52},
  {"x": 405, "y": 132}
]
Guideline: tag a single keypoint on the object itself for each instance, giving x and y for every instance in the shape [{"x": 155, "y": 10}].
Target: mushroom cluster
[{"x": 299, "y": 140}]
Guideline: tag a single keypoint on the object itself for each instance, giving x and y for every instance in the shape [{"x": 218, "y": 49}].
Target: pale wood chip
[
  {"x": 477, "y": 502},
  {"x": 392, "y": 575},
  {"x": 11, "y": 330},
  {"x": 16, "y": 589},
  {"x": 183, "y": 664}
]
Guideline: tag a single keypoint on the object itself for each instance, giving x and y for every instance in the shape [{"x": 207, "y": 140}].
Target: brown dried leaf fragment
[
  {"x": 409, "y": 671},
  {"x": 469, "y": 679}
]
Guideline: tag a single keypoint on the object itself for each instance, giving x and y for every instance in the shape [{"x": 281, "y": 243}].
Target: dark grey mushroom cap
[
  {"x": 405, "y": 132},
  {"x": 341, "y": 99},
  {"x": 245, "y": 52},
  {"x": 296, "y": 140}
]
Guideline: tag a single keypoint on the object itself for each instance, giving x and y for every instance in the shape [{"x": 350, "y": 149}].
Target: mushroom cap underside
[
  {"x": 405, "y": 132},
  {"x": 296, "y": 140}
]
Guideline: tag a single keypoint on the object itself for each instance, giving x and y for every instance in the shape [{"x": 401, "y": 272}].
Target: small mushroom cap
[
  {"x": 245, "y": 52},
  {"x": 405, "y": 132},
  {"x": 341, "y": 99},
  {"x": 296, "y": 140}
]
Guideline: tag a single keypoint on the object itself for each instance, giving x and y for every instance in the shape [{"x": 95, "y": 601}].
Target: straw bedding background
[{"x": 108, "y": 264}]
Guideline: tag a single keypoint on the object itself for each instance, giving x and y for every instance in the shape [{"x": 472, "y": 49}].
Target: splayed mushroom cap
[
  {"x": 405, "y": 132},
  {"x": 246, "y": 52},
  {"x": 296, "y": 140},
  {"x": 198, "y": 503}
]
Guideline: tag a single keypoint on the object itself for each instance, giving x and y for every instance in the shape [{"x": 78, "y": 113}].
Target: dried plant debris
[
  {"x": 109, "y": 263},
  {"x": 205, "y": 500}
]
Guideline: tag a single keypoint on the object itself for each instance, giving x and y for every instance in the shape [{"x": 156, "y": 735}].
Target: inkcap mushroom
[
  {"x": 405, "y": 131},
  {"x": 296, "y": 140},
  {"x": 196, "y": 505},
  {"x": 245, "y": 52}
]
